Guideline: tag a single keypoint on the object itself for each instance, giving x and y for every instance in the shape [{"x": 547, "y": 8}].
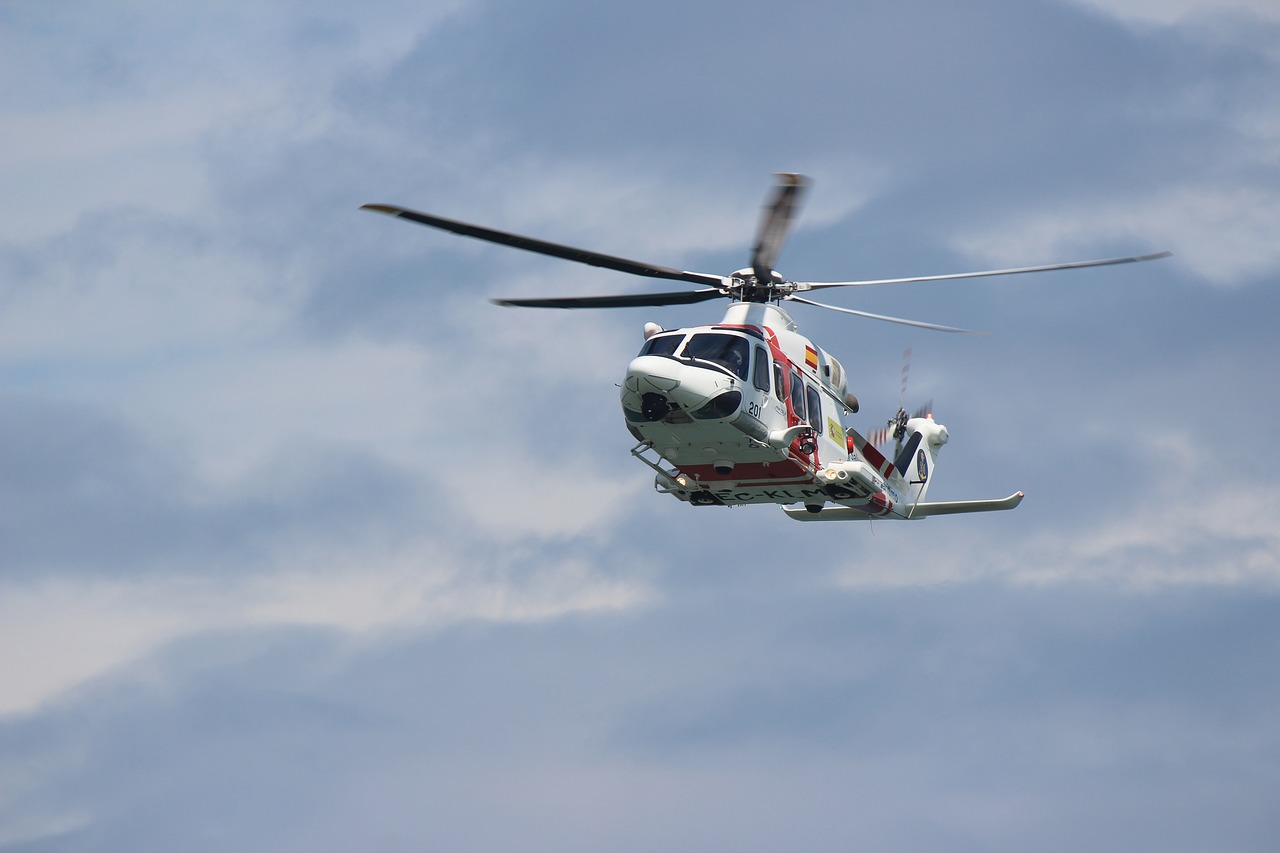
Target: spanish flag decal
[{"x": 811, "y": 357}]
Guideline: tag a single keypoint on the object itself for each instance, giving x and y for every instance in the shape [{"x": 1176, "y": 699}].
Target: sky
[{"x": 305, "y": 545}]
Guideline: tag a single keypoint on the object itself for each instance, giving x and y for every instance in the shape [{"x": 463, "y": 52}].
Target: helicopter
[{"x": 748, "y": 410}]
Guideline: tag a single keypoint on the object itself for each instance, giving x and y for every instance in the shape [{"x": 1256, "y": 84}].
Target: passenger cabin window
[
  {"x": 778, "y": 384},
  {"x": 728, "y": 351},
  {"x": 661, "y": 345},
  {"x": 760, "y": 374},
  {"x": 797, "y": 395},
  {"x": 815, "y": 408}
]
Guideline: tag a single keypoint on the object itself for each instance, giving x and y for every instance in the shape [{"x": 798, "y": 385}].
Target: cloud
[
  {"x": 1224, "y": 234},
  {"x": 61, "y": 634},
  {"x": 1177, "y": 525},
  {"x": 305, "y": 544},
  {"x": 1178, "y": 11},
  {"x": 1000, "y": 713},
  {"x": 146, "y": 90}
]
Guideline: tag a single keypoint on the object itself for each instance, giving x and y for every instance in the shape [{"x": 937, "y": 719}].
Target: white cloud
[
  {"x": 1184, "y": 526},
  {"x": 135, "y": 285},
  {"x": 1225, "y": 234},
  {"x": 57, "y": 635},
  {"x": 126, "y": 120},
  {"x": 647, "y": 212},
  {"x": 489, "y": 445},
  {"x": 51, "y": 823},
  {"x": 1176, "y": 11},
  {"x": 233, "y": 412},
  {"x": 519, "y": 496}
]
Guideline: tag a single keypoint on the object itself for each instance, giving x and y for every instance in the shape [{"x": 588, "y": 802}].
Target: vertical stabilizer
[
  {"x": 907, "y": 454},
  {"x": 916, "y": 461}
]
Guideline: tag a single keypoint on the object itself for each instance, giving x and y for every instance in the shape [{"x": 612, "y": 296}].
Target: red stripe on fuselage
[
  {"x": 876, "y": 458},
  {"x": 792, "y": 418}
]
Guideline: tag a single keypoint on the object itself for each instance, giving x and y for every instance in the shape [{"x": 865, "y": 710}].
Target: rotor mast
[{"x": 759, "y": 313}]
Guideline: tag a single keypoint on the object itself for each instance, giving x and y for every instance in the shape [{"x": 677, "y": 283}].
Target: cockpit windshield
[
  {"x": 728, "y": 351},
  {"x": 661, "y": 344}
]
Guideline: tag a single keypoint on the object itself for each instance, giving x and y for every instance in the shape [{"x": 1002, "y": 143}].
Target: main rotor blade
[
  {"x": 634, "y": 300},
  {"x": 816, "y": 285},
  {"x": 542, "y": 247},
  {"x": 868, "y": 314},
  {"x": 776, "y": 223}
]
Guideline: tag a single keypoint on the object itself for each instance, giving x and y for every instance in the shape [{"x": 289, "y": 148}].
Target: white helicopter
[{"x": 748, "y": 410}]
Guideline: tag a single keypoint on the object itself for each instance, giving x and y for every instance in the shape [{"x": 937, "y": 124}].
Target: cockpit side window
[
  {"x": 760, "y": 373},
  {"x": 661, "y": 345},
  {"x": 797, "y": 395},
  {"x": 778, "y": 383},
  {"x": 815, "y": 408},
  {"x": 729, "y": 351}
]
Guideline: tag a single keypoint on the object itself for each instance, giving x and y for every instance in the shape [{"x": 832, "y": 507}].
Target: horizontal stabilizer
[{"x": 953, "y": 507}]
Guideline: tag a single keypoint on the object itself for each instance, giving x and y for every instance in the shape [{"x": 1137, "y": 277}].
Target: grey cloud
[
  {"x": 980, "y": 117},
  {"x": 927, "y": 87},
  {"x": 986, "y": 718},
  {"x": 86, "y": 495},
  {"x": 752, "y": 705}
]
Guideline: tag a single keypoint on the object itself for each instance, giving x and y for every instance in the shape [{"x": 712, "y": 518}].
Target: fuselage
[{"x": 749, "y": 411}]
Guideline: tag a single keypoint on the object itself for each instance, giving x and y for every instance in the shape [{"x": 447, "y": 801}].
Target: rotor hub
[{"x": 748, "y": 287}]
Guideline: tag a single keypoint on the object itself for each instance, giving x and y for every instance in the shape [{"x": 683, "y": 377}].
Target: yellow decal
[{"x": 834, "y": 430}]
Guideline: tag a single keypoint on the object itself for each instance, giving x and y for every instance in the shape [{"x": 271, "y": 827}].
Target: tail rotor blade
[{"x": 906, "y": 372}]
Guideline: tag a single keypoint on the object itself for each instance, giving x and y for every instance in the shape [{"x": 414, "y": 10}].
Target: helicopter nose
[
  {"x": 653, "y": 374},
  {"x": 649, "y": 380},
  {"x": 655, "y": 383}
]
